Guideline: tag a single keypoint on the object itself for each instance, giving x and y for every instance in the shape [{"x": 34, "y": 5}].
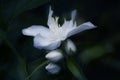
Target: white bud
[
  {"x": 70, "y": 46},
  {"x": 54, "y": 56},
  {"x": 52, "y": 68}
]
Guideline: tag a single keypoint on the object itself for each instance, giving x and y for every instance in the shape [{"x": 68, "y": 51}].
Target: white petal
[
  {"x": 82, "y": 27},
  {"x": 70, "y": 46},
  {"x": 51, "y": 21},
  {"x": 43, "y": 42},
  {"x": 73, "y": 14},
  {"x": 54, "y": 56},
  {"x": 53, "y": 45},
  {"x": 67, "y": 27},
  {"x": 52, "y": 68},
  {"x": 34, "y": 30}
]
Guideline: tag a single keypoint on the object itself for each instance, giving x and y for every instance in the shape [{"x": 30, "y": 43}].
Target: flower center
[{"x": 57, "y": 31}]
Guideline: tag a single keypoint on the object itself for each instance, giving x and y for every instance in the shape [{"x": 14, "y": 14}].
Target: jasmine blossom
[{"x": 50, "y": 38}]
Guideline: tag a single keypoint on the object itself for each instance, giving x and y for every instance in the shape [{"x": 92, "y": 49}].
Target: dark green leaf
[{"x": 95, "y": 52}]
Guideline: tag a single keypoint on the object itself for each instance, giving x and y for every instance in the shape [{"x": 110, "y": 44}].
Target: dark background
[{"x": 98, "y": 50}]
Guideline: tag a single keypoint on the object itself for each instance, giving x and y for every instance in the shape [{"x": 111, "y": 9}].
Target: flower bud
[
  {"x": 54, "y": 56},
  {"x": 70, "y": 46},
  {"x": 52, "y": 68}
]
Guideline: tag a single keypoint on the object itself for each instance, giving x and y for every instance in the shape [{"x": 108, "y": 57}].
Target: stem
[
  {"x": 36, "y": 69},
  {"x": 75, "y": 68}
]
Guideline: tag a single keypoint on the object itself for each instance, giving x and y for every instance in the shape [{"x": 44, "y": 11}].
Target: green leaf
[
  {"x": 95, "y": 52},
  {"x": 75, "y": 70}
]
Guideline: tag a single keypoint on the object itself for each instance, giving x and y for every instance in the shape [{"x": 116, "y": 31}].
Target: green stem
[
  {"x": 36, "y": 69},
  {"x": 75, "y": 69}
]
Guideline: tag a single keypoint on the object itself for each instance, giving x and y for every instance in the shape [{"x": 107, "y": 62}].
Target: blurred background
[{"x": 98, "y": 50}]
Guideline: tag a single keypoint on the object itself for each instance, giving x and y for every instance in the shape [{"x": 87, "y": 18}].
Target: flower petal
[
  {"x": 43, "y": 42},
  {"x": 52, "y": 23},
  {"x": 54, "y": 56},
  {"x": 52, "y": 68},
  {"x": 53, "y": 45},
  {"x": 34, "y": 30},
  {"x": 70, "y": 46},
  {"x": 67, "y": 27},
  {"x": 82, "y": 27},
  {"x": 73, "y": 14}
]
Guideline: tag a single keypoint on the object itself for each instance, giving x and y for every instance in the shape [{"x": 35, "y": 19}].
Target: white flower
[
  {"x": 54, "y": 56},
  {"x": 50, "y": 38},
  {"x": 70, "y": 46},
  {"x": 52, "y": 68}
]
